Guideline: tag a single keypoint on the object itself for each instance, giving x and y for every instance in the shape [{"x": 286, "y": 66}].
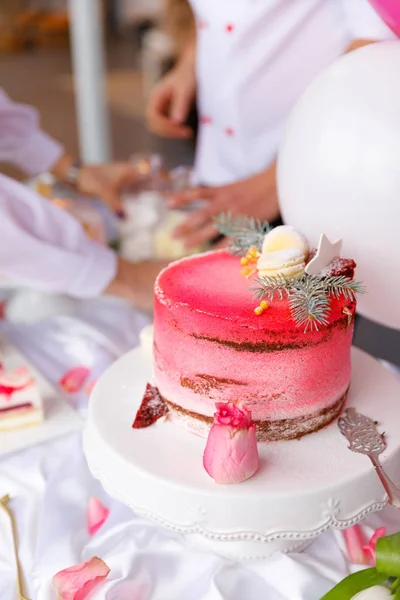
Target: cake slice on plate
[{"x": 20, "y": 401}]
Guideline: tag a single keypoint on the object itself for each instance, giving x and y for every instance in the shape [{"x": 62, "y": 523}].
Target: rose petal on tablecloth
[
  {"x": 78, "y": 581},
  {"x": 97, "y": 514},
  {"x": 73, "y": 380}
]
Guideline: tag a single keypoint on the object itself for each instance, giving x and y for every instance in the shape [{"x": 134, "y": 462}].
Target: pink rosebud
[
  {"x": 77, "y": 582},
  {"x": 232, "y": 414},
  {"x": 73, "y": 380},
  {"x": 97, "y": 514},
  {"x": 231, "y": 453}
]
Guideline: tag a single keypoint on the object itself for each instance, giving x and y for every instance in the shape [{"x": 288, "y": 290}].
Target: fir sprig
[
  {"x": 308, "y": 296},
  {"x": 309, "y": 304},
  {"x": 243, "y": 231},
  {"x": 269, "y": 287},
  {"x": 342, "y": 286}
]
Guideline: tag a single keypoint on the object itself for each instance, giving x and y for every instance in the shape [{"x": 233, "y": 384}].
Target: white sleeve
[
  {"x": 43, "y": 247},
  {"x": 364, "y": 23},
  {"x": 22, "y": 142}
]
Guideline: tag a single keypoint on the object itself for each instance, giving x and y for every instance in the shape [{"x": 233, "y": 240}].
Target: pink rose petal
[
  {"x": 97, "y": 514},
  {"x": 77, "y": 582},
  {"x": 73, "y": 380},
  {"x": 359, "y": 552},
  {"x": 370, "y": 548},
  {"x": 369, "y": 556},
  {"x": 354, "y": 538},
  {"x": 380, "y": 532},
  {"x": 234, "y": 414}
]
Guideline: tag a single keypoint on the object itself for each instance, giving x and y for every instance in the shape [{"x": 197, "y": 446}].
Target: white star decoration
[{"x": 325, "y": 254}]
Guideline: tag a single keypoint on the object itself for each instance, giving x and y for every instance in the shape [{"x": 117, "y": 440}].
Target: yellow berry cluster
[
  {"x": 249, "y": 262},
  {"x": 260, "y": 309}
]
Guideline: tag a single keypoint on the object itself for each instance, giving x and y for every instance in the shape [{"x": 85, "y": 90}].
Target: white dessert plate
[
  {"x": 303, "y": 488},
  {"x": 59, "y": 419}
]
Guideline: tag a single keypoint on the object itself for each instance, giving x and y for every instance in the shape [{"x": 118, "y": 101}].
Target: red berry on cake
[{"x": 151, "y": 409}]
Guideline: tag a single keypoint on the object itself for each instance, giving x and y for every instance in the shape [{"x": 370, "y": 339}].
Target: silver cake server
[{"x": 363, "y": 436}]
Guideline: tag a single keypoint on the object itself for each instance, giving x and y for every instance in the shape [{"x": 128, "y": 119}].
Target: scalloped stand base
[{"x": 303, "y": 488}]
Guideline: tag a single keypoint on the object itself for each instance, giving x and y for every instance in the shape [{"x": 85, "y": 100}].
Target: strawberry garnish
[{"x": 151, "y": 409}]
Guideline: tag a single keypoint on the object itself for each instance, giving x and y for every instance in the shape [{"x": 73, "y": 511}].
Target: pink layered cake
[
  {"x": 213, "y": 344},
  {"x": 20, "y": 401}
]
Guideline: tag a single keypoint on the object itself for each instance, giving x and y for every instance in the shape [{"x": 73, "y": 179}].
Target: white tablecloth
[{"x": 50, "y": 486}]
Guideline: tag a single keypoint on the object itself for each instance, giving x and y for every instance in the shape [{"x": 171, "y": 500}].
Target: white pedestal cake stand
[{"x": 303, "y": 488}]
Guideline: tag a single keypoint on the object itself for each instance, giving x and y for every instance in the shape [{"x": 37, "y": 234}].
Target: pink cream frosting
[{"x": 209, "y": 346}]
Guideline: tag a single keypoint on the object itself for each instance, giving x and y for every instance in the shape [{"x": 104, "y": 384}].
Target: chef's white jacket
[{"x": 254, "y": 60}]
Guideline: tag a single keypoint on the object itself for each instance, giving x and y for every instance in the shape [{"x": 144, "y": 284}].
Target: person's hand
[
  {"x": 135, "y": 282},
  {"x": 171, "y": 100},
  {"x": 103, "y": 181},
  {"x": 255, "y": 197},
  {"x": 106, "y": 182}
]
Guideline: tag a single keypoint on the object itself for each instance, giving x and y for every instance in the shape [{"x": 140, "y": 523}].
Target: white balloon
[{"x": 339, "y": 170}]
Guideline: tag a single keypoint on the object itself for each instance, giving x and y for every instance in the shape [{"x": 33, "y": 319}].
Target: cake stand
[{"x": 303, "y": 488}]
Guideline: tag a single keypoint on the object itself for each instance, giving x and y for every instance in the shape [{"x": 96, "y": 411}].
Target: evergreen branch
[
  {"x": 309, "y": 309},
  {"x": 240, "y": 225},
  {"x": 269, "y": 286},
  {"x": 239, "y": 246},
  {"x": 308, "y": 296},
  {"x": 309, "y": 301},
  {"x": 242, "y": 230},
  {"x": 343, "y": 286}
]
